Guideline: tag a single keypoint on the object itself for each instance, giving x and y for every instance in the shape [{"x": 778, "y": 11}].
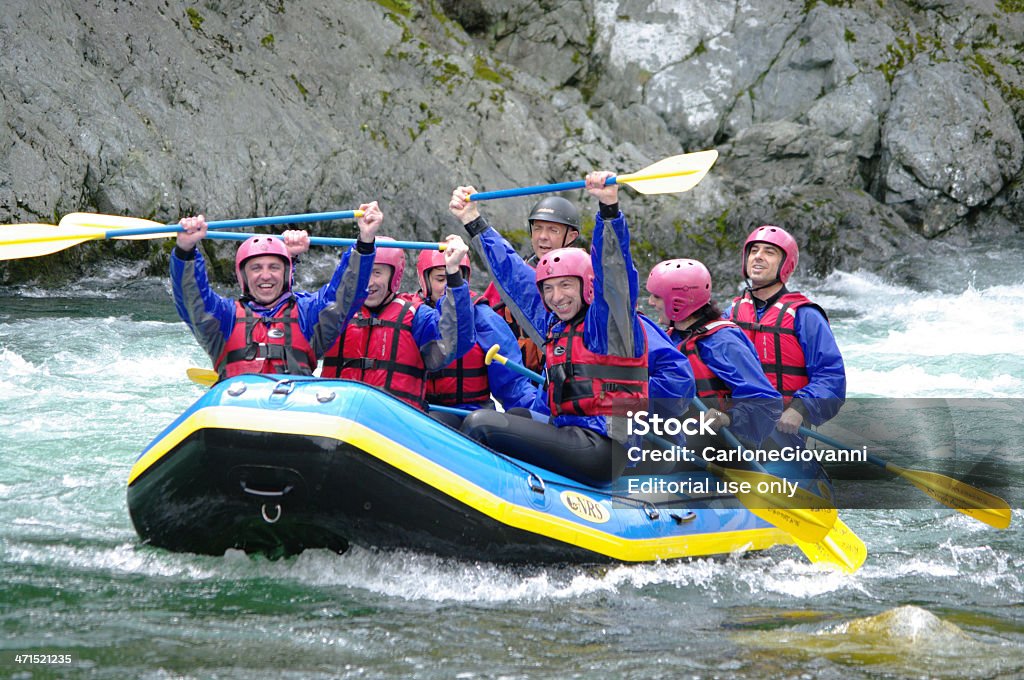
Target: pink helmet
[
  {"x": 429, "y": 259},
  {"x": 395, "y": 257},
  {"x": 258, "y": 245},
  {"x": 568, "y": 262},
  {"x": 684, "y": 285},
  {"x": 780, "y": 238}
]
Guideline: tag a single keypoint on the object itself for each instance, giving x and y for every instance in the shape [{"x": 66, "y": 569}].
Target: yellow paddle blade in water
[
  {"x": 804, "y": 515},
  {"x": 840, "y": 548},
  {"x": 970, "y": 500}
]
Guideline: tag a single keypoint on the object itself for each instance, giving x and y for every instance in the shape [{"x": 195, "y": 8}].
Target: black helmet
[{"x": 556, "y": 209}]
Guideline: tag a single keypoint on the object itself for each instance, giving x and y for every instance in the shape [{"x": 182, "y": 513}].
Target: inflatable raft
[{"x": 277, "y": 465}]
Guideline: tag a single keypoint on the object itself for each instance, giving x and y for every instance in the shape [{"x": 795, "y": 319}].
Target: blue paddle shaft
[
  {"x": 539, "y": 189},
  {"x": 336, "y": 242},
  {"x": 237, "y": 224},
  {"x": 724, "y": 431},
  {"x": 523, "y": 370},
  {"x": 449, "y": 409}
]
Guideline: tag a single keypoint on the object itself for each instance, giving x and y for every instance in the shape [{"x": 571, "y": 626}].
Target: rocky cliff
[{"x": 868, "y": 128}]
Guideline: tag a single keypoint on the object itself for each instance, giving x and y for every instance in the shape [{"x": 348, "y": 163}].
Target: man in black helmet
[{"x": 554, "y": 223}]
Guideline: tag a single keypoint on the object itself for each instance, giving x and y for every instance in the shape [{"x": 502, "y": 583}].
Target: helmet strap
[
  {"x": 767, "y": 285},
  {"x": 384, "y": 303},
  {"x": 580, "y": 315},
  {"x": 565, "y": 237}
]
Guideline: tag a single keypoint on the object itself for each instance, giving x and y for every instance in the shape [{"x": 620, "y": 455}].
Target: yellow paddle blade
[
  {"x": 841, "y": 549},
  {"x": 970, "y": 500},
  {"x": 671, "y": 175},
  {"x": 202, "y": 376},
  {"x": 105, "y": 222},
  {"x": 19, "y": 241},
  {"x": 804, "y": 515}
]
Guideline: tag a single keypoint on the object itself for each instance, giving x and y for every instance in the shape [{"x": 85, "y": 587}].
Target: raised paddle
[
  {"x": 136, "y": 223},
  {"x": 962, "y": 497},
  {"x": 805, "y": 515},
  {"x": 670, "y": 175},
  {"x": 118, "y": 222},
  {"x": 33, "y": 240}
]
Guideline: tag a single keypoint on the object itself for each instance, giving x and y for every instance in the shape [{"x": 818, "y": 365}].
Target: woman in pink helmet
[
  {"x": 595, "y": 351},
  {"x": 791, "y": 334},
  {"x": 724, "y": 363},
  {"x": 269, "y": 329},
  {"x": 468, "y": 383},
  {"x": 392, "y": 341}
]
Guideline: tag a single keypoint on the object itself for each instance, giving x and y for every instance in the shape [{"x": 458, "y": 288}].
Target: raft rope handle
[{"x": 263, "y": 512}]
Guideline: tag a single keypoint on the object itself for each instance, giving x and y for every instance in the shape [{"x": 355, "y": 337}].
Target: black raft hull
[{"x": 275, "y": 466}]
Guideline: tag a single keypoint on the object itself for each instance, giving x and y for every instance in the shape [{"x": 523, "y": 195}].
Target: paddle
[
  {"x": 34, "y": 240},
  {"x": 492, "y": 355},
  {"x": 19, "y": 241},
  {"x": 805, "y": 515},
  {"x": 137, "y": 223},
  {"x": 337, "y": 242},
  {"x": 840, "y": 547},
  {"x": 969, "y": 500},
  {"x": 52, "y": 239},
  {"x": 202, "y": 376},
  {"x": 670, "y": 175},
  {"x": 129, "y": 225}
]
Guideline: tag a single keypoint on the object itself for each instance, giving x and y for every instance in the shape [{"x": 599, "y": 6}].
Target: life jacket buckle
[{"x": 252, "y": 351}]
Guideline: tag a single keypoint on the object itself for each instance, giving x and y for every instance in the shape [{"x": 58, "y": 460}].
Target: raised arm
[
  {"x": 446, "y": 332},
  {"x": 514, "y": 279},
  {"x": 208, "y": 315},
  {"x": 612, "y": 325},
  {"x": 329, "y": 309}
]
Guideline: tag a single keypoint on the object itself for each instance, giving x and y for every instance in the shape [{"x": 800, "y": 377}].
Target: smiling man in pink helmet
[
  {"x": 791, "y": 334},
  {"x": 269, "y": 329},
  {"x": 583, "y": 303}
]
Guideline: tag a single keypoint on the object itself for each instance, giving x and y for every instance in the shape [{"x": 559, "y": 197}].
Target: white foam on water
[
  {"x": 905, "y": 343},
  {"x": 414, "y": 576},
  {"x": 911, "y": 380}
]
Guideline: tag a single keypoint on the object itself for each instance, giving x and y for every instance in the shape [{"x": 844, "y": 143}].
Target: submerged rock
[{"x": 908, "y": 625}]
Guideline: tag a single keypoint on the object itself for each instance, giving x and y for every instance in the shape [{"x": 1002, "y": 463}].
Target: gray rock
[
  {"x": 905, "y": 114},
  {"x": 951, "y": 144},
  {"x": 788, "y": 154}
]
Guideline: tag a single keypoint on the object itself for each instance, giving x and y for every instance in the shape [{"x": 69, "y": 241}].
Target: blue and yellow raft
[{"x": 277, "y": 465}]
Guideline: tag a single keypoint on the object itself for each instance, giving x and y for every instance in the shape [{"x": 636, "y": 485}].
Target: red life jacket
[
  {"x": 709, "y": 385},
  {"x": 464, "y": 381},
  {"x": 381, "y": 351},
  {"x": 261, "y": 344},
  {"x": 774, "y": 337},
  {"x": 583, "y": 383}
]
